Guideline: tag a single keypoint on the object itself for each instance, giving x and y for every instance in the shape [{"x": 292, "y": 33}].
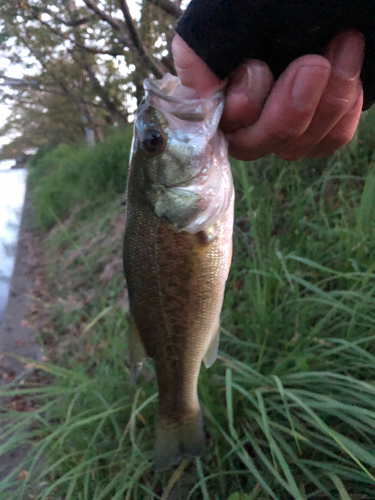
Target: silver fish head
[{"x": 179, "y": 158}]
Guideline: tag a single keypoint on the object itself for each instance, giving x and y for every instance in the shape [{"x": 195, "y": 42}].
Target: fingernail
[
  {"x": 308, "y": 86},
  {"x": 255, "y": 80},
  {"x": 347, "y": 54},
  {"x": 260, "y": 82}
]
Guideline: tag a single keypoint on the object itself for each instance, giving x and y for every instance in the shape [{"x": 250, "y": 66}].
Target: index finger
[{"x": 193, "y": 72}]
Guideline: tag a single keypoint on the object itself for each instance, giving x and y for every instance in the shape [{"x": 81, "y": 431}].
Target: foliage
[
  {"x": 71, "y": 175},
  {"x": 83, "y": 63},
  {"x": 42, "y": 119},
  {"x": 289, "y": 405}
]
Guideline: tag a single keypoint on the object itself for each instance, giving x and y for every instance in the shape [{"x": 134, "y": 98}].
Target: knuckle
[
  {"x": 286, "y": 134},
  {"x": 290, "y": 156},
  {"x": 333, "y": 141},
  {"x": 335, "y": 105},
  {"x": 341, "y": 137}
]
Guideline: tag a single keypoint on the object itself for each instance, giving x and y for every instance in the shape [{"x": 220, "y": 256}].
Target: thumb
[{"x": 193, "y": 72}]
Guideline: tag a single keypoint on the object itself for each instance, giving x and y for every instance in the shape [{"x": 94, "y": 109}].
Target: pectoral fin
[
  {"x": 207, "y": 236},
  {"x": 136, "y": 350},
  {"x": 211, "y": 353},
  {"x": 177, "y": 207}
]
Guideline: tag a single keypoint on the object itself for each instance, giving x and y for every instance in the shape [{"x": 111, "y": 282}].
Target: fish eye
[{"x": 153, "y": 141}]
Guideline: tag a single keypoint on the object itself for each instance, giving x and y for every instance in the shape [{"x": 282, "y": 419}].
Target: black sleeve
[{"x": 224, "y": 33}]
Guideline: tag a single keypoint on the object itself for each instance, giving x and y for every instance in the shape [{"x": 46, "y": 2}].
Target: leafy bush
[{"x": 72, "y": 176}]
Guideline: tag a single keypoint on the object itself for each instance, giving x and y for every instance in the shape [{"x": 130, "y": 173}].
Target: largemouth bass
[{"x": 177, "y": 253}]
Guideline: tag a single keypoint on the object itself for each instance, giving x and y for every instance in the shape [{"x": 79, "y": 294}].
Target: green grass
[{"x": 289, "y": 405}]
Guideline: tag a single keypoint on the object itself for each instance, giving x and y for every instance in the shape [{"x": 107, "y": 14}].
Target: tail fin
[{"x": 176, "y": 443}]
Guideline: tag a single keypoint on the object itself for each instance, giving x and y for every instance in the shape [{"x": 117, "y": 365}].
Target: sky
[{"x": 17, "y": 71}]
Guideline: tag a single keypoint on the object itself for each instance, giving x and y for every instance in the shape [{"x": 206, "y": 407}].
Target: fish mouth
[
  {"x": 186, "y": 105},
  {"x": 153, "y": 86}
]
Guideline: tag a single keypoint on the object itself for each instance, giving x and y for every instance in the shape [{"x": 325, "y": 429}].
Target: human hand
[{"x": 312, "y": 109}]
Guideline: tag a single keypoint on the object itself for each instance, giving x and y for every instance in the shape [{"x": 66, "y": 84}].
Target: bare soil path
[{"x": 16, "y": 335}]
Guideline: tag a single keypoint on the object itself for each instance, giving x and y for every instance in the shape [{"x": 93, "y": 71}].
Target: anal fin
[
  {"x": 136, "y": 350},
  {"x": 211, "y": 353}
]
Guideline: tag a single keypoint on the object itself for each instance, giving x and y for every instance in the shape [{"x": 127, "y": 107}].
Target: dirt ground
[{"x": 17, "y": 337}]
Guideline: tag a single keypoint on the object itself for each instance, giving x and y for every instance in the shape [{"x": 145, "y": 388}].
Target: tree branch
[
  {"x": 17, "y": 82},
  {"x": 71, "y": 23},
  {"x": 169, "y": 7},
  {"x": 115, "y": 52},
  {"x": 115, "y": 23},
  {"x": 135, "y": 37},
  {"x": 108, "y": 104},
  {"x": 156, "y": 68},
  {"x": 83, "y": 64},
  {"x": 33, "y": 84}
]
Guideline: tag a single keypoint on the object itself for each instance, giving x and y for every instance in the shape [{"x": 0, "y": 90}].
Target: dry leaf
[
  {"x": 9, "y": 375},
  {"x": 22, "y": 475}
]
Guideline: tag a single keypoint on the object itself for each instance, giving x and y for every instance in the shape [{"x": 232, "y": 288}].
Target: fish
[{"x": 177, "y": 253}]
